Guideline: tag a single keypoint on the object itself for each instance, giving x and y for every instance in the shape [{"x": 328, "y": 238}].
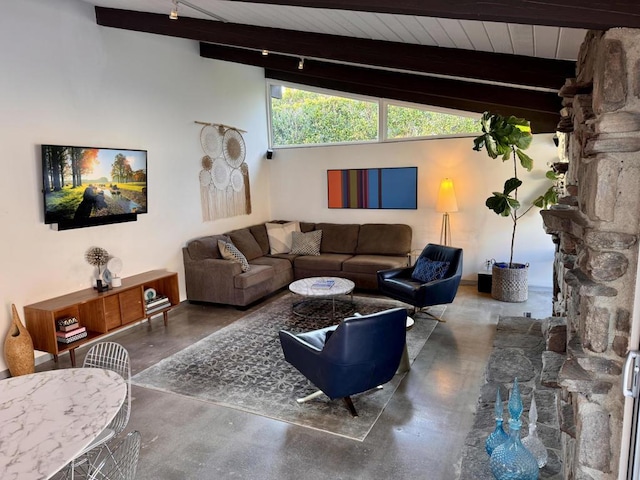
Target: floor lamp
[{"x": 446, "y": 204}]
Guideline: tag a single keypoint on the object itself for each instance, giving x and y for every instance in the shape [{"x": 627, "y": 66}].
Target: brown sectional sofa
[{"x": 350, "y": 251}]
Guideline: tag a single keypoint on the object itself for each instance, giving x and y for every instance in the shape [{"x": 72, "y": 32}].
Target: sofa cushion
[
  {"x": 229, "y": 252},
  {"x": 307, "y": 226},
  {"x": 280, "y": 265},
  {"x": 338, "y": 238},
  {"x": 384, "y": 239},
  {"x": 306, "y": 243},
  {"x": 257, "y": 275},
  {"x": 280, "y": 236},
  {"x": 259, "y": 232},
  {"x": 427, "y": 270},
  {"x": 372, "y": 263},
  {"x": 205, "y": 247},
  {"x": 244, "y": 240},
  {"x": 326, "y": 261}
]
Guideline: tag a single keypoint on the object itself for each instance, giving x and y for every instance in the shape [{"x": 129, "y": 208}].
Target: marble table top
[
  {"x": 307, "y": 288},
  {"x": 48, "y": 418}
]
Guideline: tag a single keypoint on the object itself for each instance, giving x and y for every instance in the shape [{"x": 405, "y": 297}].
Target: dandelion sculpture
[{"x": 97, "y": 257}]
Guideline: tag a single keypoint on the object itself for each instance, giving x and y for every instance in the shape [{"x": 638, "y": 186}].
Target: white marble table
[
  {"x": 305, "y": 287},
  {"x": 48, "y": 418}
]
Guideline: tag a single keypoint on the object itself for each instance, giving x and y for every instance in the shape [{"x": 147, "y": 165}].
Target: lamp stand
[{"x": 445, "y": 230}]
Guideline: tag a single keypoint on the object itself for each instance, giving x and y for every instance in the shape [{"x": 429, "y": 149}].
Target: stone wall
[{"x": 596, "y": 229}]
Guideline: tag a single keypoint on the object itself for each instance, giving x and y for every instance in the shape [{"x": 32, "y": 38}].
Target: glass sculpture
[
  {"x": 511, "y": 460},
  {"x": 498, "y": 436},
  {"x": 531, "y": 441}
]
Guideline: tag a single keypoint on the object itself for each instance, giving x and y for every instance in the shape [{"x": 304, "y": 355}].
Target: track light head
[
  {"x": 174, "y": 11},
  {"x": 265, "y": 53},
  {"x": 301, "y": 64}
]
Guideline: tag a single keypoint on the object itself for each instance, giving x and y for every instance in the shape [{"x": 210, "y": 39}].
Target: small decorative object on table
[
  {"x": 323, "y": 284},
  {"x": 511, "y": 460},
  {"x": 498, "y": 436},
  {"x": 98, "y": 257},
  {"x": 532, "y": 442}
]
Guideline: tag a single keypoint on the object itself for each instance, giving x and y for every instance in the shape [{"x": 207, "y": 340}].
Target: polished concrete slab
[{"x": 420, "y": 434}]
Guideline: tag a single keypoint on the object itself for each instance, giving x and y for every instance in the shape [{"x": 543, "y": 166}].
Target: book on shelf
[
  {"x": 156, "y": 301},
  {"x": 323, "y": 284},
  {"x": 73, "y": 338},
  {"x": 159, "y": 307},
  {"x": 68, "y": 328},
  {"x": 71, "y": 333},
  {"x": 64, "y": 322}
]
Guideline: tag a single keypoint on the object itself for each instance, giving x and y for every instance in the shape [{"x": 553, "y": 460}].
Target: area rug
[{"x": 242, "y": 366}]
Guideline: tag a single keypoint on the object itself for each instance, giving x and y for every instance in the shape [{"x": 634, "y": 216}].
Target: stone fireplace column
[{"x": 596, "y": 228}]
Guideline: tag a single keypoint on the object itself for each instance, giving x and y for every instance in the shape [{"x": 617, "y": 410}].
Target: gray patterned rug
[{"x": 242, "y": 366}]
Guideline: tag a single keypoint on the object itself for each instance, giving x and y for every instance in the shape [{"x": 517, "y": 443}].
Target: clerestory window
[{"x": 304, "y": 116}]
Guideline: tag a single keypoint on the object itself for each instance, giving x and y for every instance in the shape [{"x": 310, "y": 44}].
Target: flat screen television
[{"x": 86, "y": 186}]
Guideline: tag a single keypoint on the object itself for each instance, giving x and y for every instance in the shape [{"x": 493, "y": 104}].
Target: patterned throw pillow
[
  {"x": 280, "y": 236},
  {"x": 427, "y": 270},
  {"x": 306, "y": 243},
  {"x": 229, "y": 252}
]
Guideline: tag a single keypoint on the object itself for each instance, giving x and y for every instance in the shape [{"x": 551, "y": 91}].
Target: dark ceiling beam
[
  {"x": 592, "y": 14},
  {"x": 495, "y": 67},
  {"x": 454, "y": 94}
]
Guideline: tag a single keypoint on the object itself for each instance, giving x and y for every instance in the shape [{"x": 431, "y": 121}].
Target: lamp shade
[{"x": 446, "y": 197}]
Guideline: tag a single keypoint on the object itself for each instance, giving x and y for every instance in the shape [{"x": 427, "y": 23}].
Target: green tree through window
[{"x": 305, "y": 117}]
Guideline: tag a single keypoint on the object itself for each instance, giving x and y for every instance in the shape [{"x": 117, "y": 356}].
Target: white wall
[
  {"x": 66, "y": 80},
  {"x": 299, "y": 176}
]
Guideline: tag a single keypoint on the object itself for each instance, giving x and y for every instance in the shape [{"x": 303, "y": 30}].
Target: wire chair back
[{"x": 113, "y": 356}]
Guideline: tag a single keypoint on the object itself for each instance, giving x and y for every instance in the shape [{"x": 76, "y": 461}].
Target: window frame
[{"x": 383, "y": 106}]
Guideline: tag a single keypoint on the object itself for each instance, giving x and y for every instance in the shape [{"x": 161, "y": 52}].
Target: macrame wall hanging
[{"x": 224, "y": 178}]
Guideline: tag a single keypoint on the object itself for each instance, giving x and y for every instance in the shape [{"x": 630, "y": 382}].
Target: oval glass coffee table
[{"x": 320, "y": 293}]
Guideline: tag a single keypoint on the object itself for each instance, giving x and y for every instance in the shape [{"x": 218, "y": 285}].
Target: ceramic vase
[{"x": 18, "y": 347}]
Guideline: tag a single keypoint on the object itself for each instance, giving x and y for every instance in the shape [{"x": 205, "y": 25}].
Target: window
[
  {"x": 302, "y": 115},
  {"x": 408, "y": 122}
]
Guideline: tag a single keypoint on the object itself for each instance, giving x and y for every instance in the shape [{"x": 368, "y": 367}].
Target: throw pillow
[
  {"x": 229, "y": 252},
  {"x": 306, "y": 243},
  {"x": 280, "y": 236},
  {"x": 427, "y": 270}
]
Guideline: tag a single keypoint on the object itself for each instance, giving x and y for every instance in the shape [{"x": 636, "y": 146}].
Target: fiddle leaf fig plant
[{"x": 507, "y": 137}]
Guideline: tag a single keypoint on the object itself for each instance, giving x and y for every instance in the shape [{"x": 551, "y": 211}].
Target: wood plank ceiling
[{"x": 509, "y": 56}]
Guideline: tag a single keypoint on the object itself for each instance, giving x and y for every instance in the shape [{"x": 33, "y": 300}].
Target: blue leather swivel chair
[
  {"x": 359, "y": 354},
  {"x": 398, "y": 283}
]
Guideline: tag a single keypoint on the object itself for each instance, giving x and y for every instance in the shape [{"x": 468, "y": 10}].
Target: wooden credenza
[{"x": 100, "y": 312}]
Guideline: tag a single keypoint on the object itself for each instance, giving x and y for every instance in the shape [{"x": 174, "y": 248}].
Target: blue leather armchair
[
  {"x": 359, "y": 354},
  {"x": 398, "y": 284}
]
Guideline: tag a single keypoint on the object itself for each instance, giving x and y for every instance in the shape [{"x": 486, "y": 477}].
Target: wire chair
[
  {"x": 118, "y": 462},
  {"x": 110, "y": 356}
]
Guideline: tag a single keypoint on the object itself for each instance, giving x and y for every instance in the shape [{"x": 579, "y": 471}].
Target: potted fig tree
[{"x": 507, "y": 137}]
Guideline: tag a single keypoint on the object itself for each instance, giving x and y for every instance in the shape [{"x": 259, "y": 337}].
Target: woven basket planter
[{"x": 509, "y": 284}]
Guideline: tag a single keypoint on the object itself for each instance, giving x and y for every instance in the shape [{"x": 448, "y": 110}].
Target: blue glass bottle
[
  {"x": 511, "y": 460},
  {"x": 498, "y": 436}
]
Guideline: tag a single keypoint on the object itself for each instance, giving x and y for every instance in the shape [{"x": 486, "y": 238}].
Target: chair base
[{"x": 426, "y": 312}]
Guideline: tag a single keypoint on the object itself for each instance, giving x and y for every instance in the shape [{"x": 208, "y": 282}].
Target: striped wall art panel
[{"x": 395, "y": 188}]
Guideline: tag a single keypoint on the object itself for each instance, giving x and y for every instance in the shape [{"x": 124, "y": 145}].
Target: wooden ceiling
[{"x": 456, "y": 78}]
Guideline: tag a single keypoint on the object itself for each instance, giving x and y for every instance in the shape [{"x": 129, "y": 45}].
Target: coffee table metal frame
[{"x": 305, "y": 288}]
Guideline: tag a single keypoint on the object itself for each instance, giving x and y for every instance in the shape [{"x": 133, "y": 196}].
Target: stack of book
[
  {"x": 323, "y": 284},
  {"x": 157, "y": 303},
  {"x": 69, "y": 330}
]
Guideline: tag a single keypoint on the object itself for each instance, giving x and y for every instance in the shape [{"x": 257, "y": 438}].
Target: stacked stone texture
[{"x": 597, "y": 256}]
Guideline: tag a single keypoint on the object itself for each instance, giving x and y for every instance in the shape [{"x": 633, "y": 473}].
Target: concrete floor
[{"x": 419, "y": 435}]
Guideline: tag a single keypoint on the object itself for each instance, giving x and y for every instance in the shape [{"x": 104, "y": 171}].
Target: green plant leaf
[
  {"x": 525, "y": 160},
  {"x": 510, "y": 185},
  {"x": 551, "y": 175},
  {"x": 499, "y": 204}
]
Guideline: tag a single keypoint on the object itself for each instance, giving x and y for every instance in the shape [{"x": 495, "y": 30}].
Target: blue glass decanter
[
  {"x": 498, "y": 436},
  {"x": 511, "y": 460},
  {"x": 531, "y": 441}
]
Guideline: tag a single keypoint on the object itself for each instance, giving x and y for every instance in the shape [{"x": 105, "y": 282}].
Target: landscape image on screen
[{"x": 81, "y": 183}]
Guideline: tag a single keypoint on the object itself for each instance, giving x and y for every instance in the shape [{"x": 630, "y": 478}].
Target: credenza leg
[
  {"x": 55, "y": 358},
  {"x": 165, "y": 316},
  {"x": 72, "y": 354}
]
